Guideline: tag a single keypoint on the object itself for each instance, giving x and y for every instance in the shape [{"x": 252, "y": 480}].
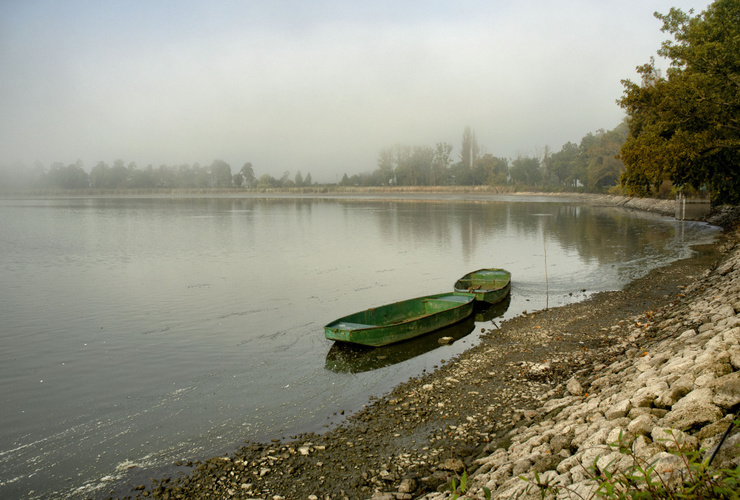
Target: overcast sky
[{"x": 317, "y": 86}]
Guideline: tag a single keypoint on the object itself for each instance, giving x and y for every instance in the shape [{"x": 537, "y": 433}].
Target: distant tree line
[
  {"x": 681, "y": 130},
  {"x": 118, "y": 175},
  {"x": 592, "y": 165}
]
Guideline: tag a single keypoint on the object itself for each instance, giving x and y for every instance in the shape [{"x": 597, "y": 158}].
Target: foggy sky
[{"x": 317, "y": 86}]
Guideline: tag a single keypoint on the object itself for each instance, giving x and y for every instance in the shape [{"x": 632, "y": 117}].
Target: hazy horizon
[{"x": 317, "y": 87}]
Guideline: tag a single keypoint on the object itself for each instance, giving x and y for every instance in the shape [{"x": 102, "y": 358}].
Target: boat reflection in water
[
  {"x": 488, "y": 312},
  {"x": 344, "y": 357},
  {"x": 355, "y": 358}
]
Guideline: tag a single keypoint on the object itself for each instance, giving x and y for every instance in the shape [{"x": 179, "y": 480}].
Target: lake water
[{"x": 136, "y": 332}]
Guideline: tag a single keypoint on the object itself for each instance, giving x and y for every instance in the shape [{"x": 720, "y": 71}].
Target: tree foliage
[
  {"x": 72, "y": 176},
  {"x": 248, "y": 174},
  {"x": 685, "y": 127},
  {"x": 592, "y": 165},
  {"x": 600, "y": 164},
  {"x": 525, "y": 170}
]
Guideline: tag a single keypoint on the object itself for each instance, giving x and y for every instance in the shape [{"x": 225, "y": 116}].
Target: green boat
[
  {"x": 400, "y": 321},
  {"x": 354, "y": 358},
  {"x": 488, "y": 285}
]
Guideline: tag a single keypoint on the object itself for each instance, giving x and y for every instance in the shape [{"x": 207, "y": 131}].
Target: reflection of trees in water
[
  {"x": 603, "y": 234},
  {"x": 415, "y": 223},
  {"x": 606, "y": 235}
]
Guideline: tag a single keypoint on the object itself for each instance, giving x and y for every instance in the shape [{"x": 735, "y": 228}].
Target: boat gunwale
[
  {"x": 391, "y": 333},
  {"x": 482, "y": 290},
  {"x": 408, "y": 320}
]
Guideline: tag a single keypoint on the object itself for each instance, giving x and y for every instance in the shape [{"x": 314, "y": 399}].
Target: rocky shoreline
[
  {"x": 663, "y": 207},
  {"x": 675, "y": 383},
  {"x": 546, "y": 392}
]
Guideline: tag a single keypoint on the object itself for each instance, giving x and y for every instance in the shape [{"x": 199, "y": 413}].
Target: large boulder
[
  {"x": 726, "y": 390},
  {"x": 646, "y": 396},
  {"x": 700, "y": 396},
  {"x": 690, "y": 416}
]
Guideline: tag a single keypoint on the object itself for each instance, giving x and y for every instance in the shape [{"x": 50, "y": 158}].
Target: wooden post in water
[{"x": 547, "y": 281}]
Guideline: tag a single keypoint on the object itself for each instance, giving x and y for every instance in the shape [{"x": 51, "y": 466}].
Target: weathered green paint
[
  {"x": 401, "y": 320},
  {"x": 488, "y": 285},
  {"x": 355, "y": 358}
]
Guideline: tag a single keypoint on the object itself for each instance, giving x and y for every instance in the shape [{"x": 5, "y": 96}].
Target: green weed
[{"x": 463, "y": 488}]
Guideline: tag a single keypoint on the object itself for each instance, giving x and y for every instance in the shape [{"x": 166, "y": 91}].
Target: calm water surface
[{"x": 137, "y": 332}]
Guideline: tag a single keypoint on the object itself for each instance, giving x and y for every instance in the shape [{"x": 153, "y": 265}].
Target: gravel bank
[
  {"x": 501, "y": 409},
  {"x": 675, "y": 375}
]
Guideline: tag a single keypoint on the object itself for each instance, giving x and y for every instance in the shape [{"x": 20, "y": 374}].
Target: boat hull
[
  {"x": 488, "y": 285},
  {"x": 354, "y": 358},
  {"x": 402, "y": 320}
]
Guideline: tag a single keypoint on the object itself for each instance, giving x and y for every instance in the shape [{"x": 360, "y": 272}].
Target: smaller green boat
[
  {"x": 400, "y": 321},
  {"x": 488, "y": 285}
]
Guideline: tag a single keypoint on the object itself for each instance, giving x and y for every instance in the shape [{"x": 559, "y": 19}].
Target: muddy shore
[{"x": 428, "y": 430}]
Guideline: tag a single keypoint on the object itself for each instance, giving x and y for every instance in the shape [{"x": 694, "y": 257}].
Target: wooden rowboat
[
  {"x": 488, "y": 285},
  {"x": 401, "y": 320},
  {"x": 344, "y": 357}
]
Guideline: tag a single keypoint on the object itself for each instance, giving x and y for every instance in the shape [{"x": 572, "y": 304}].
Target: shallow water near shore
[{"x": 141, "y": 331}]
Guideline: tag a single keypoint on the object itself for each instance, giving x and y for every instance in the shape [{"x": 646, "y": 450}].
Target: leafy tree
[
  {"x": 99, "y": 175},
  {"x": 72, "y": 176},
  {"x": 548, "y": 178},
  {"x": 603, "y": 167},
  {"x": 355, "y": 180},
  {"x": 562, "y": 165},
  {"x": 202, "y": 176},
  {"x": 307, "y": 181},
  {"x": 141, "y": 178},
  {"x": 248, "y": 173},
  {"x": 285, "y": 179},
  {"x": 491, "y": 170},
  {"x": 414, "y": 169},
  {"x": 221, "y": 174},
  {"x": 440, "y": 164},
  {"x": 526, "y": 170},
  {"x": 298, "y": 179},
  {"x": 185, "y": 176},
  {"x": 592, "y": 163},
  {"x": 460, "y": 175},
  {"x": 386, "y": 161},
  {"x": 118, "y": 176},
  {"x": 267, "y": 181},
  {"x": 394, "y": 166},
  {"x": 166, "y": 176},
  {"x": 686, "y": 127}
]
